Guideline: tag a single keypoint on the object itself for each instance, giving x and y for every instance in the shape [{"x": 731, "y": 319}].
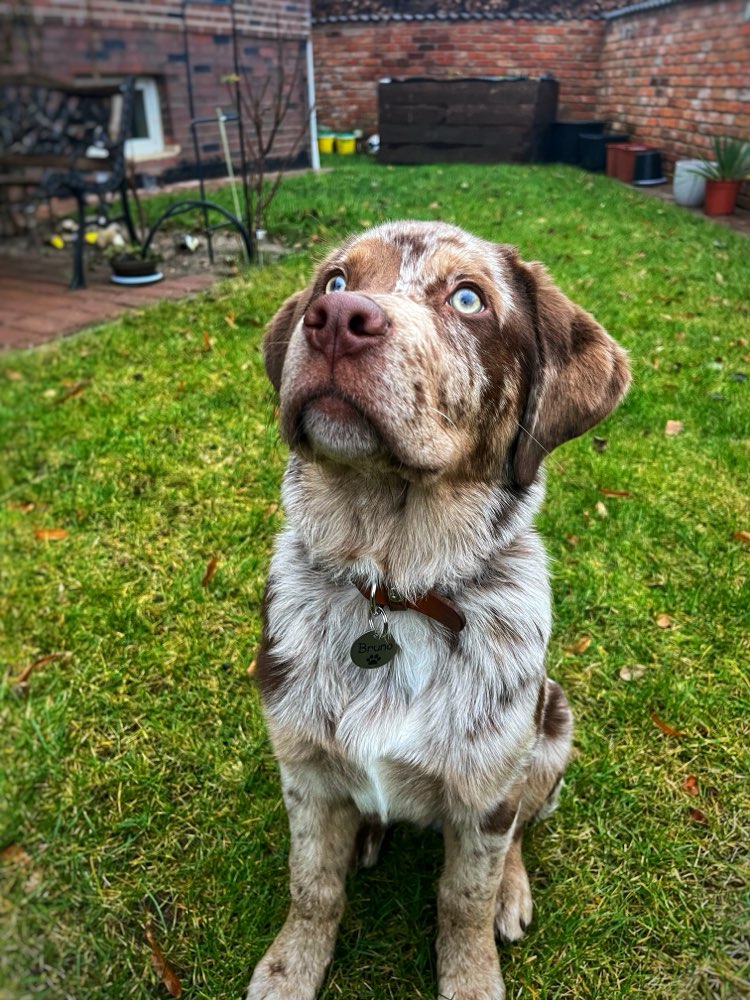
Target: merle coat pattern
[{"x": 422, "y": 377}]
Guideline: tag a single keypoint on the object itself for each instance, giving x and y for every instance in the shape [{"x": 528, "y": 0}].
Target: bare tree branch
[{"x": 266, "y": 102}]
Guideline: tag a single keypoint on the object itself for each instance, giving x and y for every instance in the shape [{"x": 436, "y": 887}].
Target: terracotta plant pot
[
  {"x": 721, "y": 197},
  {"x": 614, "y": 150},
  {"x": 626, "y": 161}
]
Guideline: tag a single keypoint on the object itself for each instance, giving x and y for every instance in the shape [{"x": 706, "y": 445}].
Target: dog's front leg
[
  {"x": 468, "y": 966},
  {"x": 322, "y": 841}
]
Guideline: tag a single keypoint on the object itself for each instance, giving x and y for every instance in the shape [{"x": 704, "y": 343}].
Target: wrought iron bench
[{"x": 68, "y": 140}]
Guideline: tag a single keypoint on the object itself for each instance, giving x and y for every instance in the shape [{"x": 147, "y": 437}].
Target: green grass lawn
[{"x": 137, "y": 787}]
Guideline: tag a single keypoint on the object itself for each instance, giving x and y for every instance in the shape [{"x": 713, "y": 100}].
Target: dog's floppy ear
[
  {"x": 277, "y": 335},
  {"x": 580, "y": 373}
]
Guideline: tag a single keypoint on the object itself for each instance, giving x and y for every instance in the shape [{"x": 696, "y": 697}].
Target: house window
[{"x": 148, "y": 135}]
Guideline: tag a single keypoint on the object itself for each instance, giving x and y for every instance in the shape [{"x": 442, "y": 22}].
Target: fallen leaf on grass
[
  {"x": 579, "y": 646},
  {"x": 14, "y": 376},
  {"x": 663, "y": 621},
  {"x": 572, "y": 540},
  {"x": 696, "y": 815},
  {"x": 742, "y": 536},
  {"x": 251, "y": 668},
  {"x": 690, "y": 785},
  {"x": 50, "y": 534},
  {"x": 25, "y": 506},
  {"x": 271, "y": 509},
  {"x": 74, "y": 390},
  {"x": 213, "y": 562},
  {"x": 664, "y": 726},
  {"x": 207, "y": 345},
  {"x": 600, "y": 509},
  {"x": 229, "y": 320},
  {"x": 29, "y": 669},
  {"x": 673, "y": 427},
  {"x": 633, "y": 673},
  {"x": 161, "y": 966},
  {"x": 613, "y": 493},
  {"x": 14, "y": 854}
]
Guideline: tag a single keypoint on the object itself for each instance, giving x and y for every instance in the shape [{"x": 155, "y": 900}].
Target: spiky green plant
[{"x": 730, "y": 160}]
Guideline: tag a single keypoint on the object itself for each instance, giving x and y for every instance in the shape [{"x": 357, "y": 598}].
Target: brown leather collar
[{"x": 433, "y": 605}]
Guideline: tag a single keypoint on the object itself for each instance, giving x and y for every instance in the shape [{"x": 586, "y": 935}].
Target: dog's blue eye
[
  {"x": 336, "y": 284},
  {"x": 466, "y": 301}
]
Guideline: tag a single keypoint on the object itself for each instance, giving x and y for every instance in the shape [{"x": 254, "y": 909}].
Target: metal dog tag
[
  {"x": 377, "y": 646},
  {"x": 374, "y": 649}
]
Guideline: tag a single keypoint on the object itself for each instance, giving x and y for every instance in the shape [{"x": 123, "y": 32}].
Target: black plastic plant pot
[
  {"x": 134, "y": 270},
  {"x": 133, "y": 267},
  {"x": 593, "y": 148},
  {"x": 647, "y": 168},
  {"x": 564, "y": 138}
]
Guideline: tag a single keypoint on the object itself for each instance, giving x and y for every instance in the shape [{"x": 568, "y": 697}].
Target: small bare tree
[{"x": 265, "y": 103}]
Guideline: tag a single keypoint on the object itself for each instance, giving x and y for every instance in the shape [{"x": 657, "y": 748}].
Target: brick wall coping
[
  {"x": 638, "y": 8},
  {"x": 336, "y": 11}
]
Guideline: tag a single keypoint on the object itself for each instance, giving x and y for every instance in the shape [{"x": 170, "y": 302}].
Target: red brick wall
[
  {"x": 262, "y": 18},
  {"x": 76, "y": 38},
  {"x": 675, "y": 77},
  {"x": 350, "y": 58}
]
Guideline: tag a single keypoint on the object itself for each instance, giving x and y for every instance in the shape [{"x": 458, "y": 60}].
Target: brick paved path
[{"x": 36, "y": 305}]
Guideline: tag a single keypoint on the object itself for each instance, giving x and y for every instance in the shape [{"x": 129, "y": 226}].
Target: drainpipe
[{"x": 314, "y": 154}]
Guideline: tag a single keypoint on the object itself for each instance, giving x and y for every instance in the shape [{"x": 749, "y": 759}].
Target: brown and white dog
[{"x": 423, "y": 376}]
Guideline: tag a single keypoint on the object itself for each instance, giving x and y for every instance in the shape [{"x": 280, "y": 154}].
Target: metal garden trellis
[{"x": 198, "y": 121}]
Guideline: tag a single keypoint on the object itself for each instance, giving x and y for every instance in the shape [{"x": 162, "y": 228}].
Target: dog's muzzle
[{"x": 343, "y": 324}]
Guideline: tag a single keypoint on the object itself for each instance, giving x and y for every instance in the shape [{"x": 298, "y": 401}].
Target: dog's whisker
[
  {"x": 434, "y": 409},
  {"x": 560, "y": 467}
]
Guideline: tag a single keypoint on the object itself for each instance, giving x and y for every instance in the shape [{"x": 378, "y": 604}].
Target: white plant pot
[{"x": 688, "y": 187}]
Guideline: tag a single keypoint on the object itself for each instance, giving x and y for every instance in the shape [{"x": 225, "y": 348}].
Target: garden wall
[
  {"x": 75, "y": 39},
  {"x": 351, "y": 57},
  {"x": 671, "y": 75},
  {"x": 679, "y": 73},
  {"x": 676, "y": 76}
]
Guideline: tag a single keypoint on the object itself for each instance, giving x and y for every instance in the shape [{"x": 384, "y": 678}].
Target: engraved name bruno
[
  {"x": 367, "y": 647},
  {"x": 373, "y": 649}
]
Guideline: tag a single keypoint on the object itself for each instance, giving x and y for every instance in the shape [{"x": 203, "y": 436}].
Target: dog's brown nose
[{"x": 342, "y": 323}]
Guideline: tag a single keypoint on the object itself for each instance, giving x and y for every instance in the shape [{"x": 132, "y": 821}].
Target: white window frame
[{"x": 153, "y": 144}]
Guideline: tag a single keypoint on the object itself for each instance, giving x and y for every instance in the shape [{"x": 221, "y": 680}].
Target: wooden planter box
[{"x": 482, "y": 120}]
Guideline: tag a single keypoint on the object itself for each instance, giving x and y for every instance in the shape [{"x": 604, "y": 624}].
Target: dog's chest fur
[{"x": 452, "y": 716}]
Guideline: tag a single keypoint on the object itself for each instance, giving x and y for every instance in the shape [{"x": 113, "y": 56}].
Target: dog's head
[{"x": 426, "y": 352}]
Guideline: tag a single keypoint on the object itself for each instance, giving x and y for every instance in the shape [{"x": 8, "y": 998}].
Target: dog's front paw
[
  {"x": 284, "y": 975},
  {"x": 514, "y": 907},
  {"x": 272, "y": 981},
  {"x": 468, "y": 969},
  {"x": 474, "y": 984}
]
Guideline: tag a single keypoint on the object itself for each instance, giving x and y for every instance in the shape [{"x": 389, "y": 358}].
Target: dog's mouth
[{"x": 329, "y": 424}]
